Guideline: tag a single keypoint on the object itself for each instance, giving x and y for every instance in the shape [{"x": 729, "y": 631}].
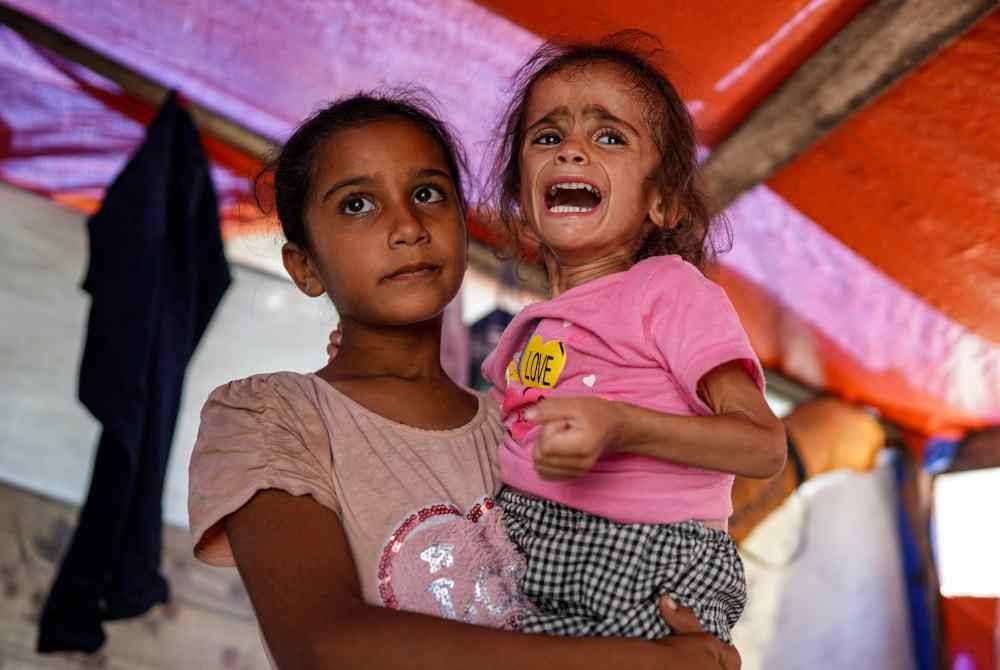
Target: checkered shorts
[{"x": 589, "y": 576}]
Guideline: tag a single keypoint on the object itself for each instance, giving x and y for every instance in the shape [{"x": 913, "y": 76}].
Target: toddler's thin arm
[{"x": 742, "y": 437}]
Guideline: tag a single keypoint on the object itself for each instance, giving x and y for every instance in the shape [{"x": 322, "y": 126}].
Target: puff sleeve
[{"x": 263, "y": 432}]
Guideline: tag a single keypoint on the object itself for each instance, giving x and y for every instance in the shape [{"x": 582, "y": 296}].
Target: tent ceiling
[{"x": 866, "y": 267}]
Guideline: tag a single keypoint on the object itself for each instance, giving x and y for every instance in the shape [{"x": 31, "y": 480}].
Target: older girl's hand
[
  {"x": 699, "y": 650},
  {"x": 690, "y": 640},
  {"x": 682, "y": 620}
]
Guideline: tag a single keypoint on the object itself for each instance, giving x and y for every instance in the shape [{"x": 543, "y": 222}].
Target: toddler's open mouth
[{"x": 572, "y": 197}]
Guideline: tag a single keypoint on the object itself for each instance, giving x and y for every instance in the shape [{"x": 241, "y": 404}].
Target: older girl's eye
[
  {"x": 356, "y": 205},
  {"x": 610, "y": 137},
  {"x": 547, "y": 139},
  {"x": 426, "y": 195}
]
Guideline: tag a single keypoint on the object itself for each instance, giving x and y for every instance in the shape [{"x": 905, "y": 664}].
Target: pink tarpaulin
[
  {"x": 56, "y": 136},
  {"x": 267, "y": 65}
]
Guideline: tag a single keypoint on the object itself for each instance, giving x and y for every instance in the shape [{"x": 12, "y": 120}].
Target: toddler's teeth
[{"x": 565, "y": 209}]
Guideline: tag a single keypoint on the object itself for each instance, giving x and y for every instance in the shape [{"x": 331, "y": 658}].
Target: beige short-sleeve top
[{"x": 416, "y": 504}]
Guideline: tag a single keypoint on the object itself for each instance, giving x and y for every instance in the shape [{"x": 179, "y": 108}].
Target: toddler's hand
[
  {"x": 575, "y": 431},
  {"x": 334, "y": 345}
]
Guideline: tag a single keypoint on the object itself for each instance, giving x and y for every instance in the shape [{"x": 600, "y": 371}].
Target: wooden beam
[{"x": 875, "y": 50}]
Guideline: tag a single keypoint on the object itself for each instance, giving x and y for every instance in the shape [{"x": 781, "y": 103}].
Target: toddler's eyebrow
[
  {"x": 599, "y": 112},
  {"x": 594, "y": 111},
  {"x": 554, "y": 115}
]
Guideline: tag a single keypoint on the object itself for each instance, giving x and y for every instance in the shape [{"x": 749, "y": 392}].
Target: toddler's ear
[
  {"x": 300, "y": 267},
  {"x": 663, "y": 213}
]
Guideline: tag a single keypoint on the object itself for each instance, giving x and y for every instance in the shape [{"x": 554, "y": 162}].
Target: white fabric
[{"x": 841, "y": 604}]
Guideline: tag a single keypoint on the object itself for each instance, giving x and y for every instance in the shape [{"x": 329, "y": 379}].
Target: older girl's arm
[{"x": 295, "y": 561}]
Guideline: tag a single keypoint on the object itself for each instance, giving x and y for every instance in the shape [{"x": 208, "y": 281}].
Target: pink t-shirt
[{"x": 645, "y": 336}]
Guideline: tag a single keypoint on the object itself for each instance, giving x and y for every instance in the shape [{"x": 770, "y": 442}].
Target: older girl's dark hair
[
  {"x": 698, "y": 235},
  {"x": 293, "y": 167}
]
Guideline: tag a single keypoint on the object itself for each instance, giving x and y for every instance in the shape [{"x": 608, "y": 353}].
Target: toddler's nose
[{"x": 571, "y": 151}]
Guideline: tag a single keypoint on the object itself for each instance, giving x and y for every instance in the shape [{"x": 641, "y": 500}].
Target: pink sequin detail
[
  {"x": 396, "y": 542},
  {"x": 442, "y": 562},
  {"x": 479, "y": 509}
]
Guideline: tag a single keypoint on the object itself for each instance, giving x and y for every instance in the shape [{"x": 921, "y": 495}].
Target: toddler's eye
[
  {"x": 357, "y": 205},
  {"x": 547, "y": 139},
  {"x": 426, "y": 195},
  {"x": 610, "y": 137}
]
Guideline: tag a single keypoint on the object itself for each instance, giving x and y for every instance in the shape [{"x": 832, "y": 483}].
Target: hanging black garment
[{"x": 157, "y": 272}]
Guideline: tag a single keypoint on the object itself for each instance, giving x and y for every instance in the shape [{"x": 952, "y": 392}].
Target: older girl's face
[
  {"x": 586, "y": 161},
  {"x": 388, "y": 240}
]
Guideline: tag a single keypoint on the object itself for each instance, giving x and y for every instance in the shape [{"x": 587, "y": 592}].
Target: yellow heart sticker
[{"x": 542, "y": 363}]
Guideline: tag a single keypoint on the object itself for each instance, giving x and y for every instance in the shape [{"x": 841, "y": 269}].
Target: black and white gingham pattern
[{"x": 589, "y": 576}]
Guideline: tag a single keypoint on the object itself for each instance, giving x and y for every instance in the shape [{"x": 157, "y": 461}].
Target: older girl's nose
[{"x": 407, "y": 230}]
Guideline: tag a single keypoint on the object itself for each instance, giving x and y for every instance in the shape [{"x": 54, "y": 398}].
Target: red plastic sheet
[{"x": 970, "y": 630}]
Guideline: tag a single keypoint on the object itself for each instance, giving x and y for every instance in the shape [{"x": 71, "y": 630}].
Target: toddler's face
[
  {"x": 586, "y": 161},
  {"x": 388, "y": 237}
]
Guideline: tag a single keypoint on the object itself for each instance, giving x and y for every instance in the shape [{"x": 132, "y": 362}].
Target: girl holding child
[{"x": 359, "y": 503}]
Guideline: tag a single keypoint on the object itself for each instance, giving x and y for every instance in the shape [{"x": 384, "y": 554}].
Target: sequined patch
[
  {"x": 465, "y": 569},
  {"x": 438, "y": 556}
]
